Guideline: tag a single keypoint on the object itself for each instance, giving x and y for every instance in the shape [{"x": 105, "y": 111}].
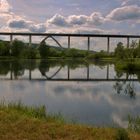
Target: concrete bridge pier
[
  {"x": 108, "y": 44},
  {"x": 128, "y": 42},
  {"x": 11, "y": 41},
  {"x": 88, "y": 43},
  {"x": 68, "y": 42},
  {"x": 30, "y": 40}
]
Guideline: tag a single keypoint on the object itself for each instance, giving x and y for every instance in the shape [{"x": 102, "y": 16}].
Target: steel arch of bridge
[{"x": 49, "y": 36}]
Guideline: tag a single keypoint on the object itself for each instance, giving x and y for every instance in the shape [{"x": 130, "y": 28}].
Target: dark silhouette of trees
[{"x": 44, "y": 50}]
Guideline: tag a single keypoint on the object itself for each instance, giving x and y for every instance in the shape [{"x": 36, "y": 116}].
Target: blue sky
[{"x": 73, "y": 16}]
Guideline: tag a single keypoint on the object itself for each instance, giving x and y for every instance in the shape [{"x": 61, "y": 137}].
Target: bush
[{"x": 122, "y": 135}]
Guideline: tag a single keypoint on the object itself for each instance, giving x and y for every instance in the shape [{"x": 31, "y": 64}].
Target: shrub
[{"x": 122, "y": 135}]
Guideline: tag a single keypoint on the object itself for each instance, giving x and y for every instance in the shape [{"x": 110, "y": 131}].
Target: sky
[{"x": 70, "y": 16}]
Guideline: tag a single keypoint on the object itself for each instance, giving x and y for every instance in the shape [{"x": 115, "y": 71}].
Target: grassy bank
[
  {"x": 26, "y": 123},
  {"x": 128, "y": 65}
]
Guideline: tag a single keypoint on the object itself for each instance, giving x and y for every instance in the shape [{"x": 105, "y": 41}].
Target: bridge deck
[{"x": 68, "y": 34}]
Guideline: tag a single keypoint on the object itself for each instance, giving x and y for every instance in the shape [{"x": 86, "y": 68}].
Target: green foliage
[
  {"x": 55, "y": 52},
  {"x": 129, "y": 66},
  {"x": 37, "y": 112},
  {"x": 29, "y": 53},
  {"x": 122, "y": 135},
  {"x": 119, "y": 51},
  {"x": 128, "y": 53},
  {"x": 74, "y": 53},
  {"x": 4, "y": 49},
  {"x": 30, "y": 111},
  {"x": 4, "y": 67},
  {"x": 44, "y": 50},
  {"x": 134, "y": 124},
  {"x": 17, "y": 48}
]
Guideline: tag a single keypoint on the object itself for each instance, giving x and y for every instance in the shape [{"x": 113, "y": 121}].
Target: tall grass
[
  {"x": 32, "y": 111},
  {"x": 134, "y": 124}
]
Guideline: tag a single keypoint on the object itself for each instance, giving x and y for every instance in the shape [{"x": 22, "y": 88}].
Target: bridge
[{"x": 53, "y": 35}]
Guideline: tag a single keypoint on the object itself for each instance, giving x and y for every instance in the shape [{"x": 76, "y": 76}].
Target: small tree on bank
[{"x": 119, "y": 51}]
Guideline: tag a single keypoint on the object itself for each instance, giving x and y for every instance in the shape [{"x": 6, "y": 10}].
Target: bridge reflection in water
[{"x": 68, "y": 77}]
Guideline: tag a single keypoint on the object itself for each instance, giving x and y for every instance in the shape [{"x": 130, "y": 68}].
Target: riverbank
[{"x": 20, "y": 122}]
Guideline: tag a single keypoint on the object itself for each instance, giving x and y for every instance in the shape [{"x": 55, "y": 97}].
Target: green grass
[
  {"x": 31, "y": 112},
  {"x": 19, "y": 122},
  {"x": 129, "y": 66}
]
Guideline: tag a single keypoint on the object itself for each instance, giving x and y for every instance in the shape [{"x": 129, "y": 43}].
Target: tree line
[
  {"x": 19, "y": 49},
  {"x": 131, "y": 52}
]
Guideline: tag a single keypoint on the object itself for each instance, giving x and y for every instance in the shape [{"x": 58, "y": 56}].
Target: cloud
[
  {"x": 125, "y": 13},
  {"x": 25, "y": 24},
  {"x": 95, "y": 19},
  {"x": 37, "y": 28},
  {"x": 58, "y": 20},
  {"x": 89, "y": 31},
  {"x": 77, "y": 19},
  {"x": 130, "y": 2},
  {"x": 4, "y": 6},
  {"x": 20, "y": 23},
  {"x": 12, "y": 22}
]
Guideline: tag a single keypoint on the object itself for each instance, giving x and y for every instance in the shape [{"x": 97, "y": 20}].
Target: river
[{"x": 91, "y": 93}]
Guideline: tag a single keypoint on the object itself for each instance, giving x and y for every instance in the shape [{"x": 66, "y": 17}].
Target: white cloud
[
  {"x": 12, "y": 22},
  {"x": 94, "y": 19},
  {"x": 58, "y": 20},
  {"x": 77, "y": 19},
  {"x": 4, "y": 6},
  {"x": 72, "y": 23},
  {"x": 125, "y": 13}
]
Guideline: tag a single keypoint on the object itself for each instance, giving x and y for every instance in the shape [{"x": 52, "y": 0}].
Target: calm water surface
[{"x": 90, "y": 93}]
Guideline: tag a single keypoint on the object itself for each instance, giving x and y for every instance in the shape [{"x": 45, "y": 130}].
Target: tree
[
  {"x": 4, "y": 49},
  {"x": 119, "y": 51},
  {"x": 29, "y": 53},
  {"x": 44, "y": 50},
  {"x": 17, "y": 47}
]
